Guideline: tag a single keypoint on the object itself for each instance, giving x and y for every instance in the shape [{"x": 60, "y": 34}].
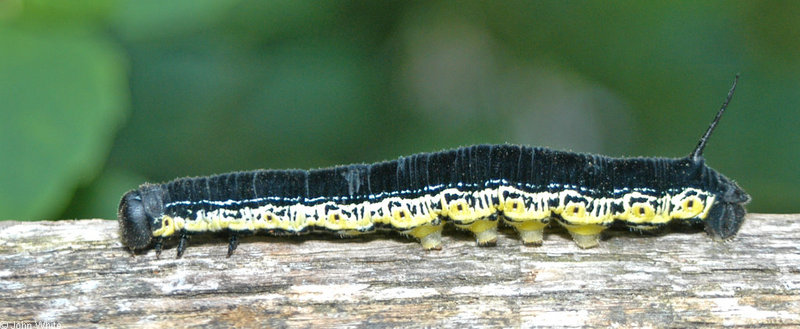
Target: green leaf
[
  {"x": 145, "y": 19},
  {"x": 63, "y": 96}
]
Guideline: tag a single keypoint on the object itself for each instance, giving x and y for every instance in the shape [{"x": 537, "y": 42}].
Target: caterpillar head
[{"x": 138, "y": 210}]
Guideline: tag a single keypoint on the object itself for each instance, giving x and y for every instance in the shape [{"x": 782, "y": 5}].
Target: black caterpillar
[{"x": 472, "y": 187}]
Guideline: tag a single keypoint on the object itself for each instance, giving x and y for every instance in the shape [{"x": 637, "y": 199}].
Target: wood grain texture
[{"x": 76, "y": 273}]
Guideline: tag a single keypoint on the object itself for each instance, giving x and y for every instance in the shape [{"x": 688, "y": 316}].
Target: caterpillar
[{"x": 474, "y": 188}]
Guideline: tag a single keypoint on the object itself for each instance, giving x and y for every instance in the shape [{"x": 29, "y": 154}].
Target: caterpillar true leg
[
  {"x": 233, "y": 243},
  {"x": 158, "y": 246},
  {"x": 182, "y": 243}
]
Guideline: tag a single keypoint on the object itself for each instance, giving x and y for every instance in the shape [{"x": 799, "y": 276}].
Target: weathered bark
[{"x": 76, "y": 273}]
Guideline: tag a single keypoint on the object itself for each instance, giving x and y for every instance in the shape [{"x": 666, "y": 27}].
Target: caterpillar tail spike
[{"x": 472, "y": 187}]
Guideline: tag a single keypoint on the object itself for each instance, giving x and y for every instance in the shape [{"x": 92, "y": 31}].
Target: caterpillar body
[{"x": 473, "y": 187}]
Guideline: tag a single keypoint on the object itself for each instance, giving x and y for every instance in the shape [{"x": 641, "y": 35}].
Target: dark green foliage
[{"x": 218, "y": 86}]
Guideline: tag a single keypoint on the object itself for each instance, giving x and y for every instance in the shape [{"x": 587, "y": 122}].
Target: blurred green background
[{"x": 98, "y": 96}]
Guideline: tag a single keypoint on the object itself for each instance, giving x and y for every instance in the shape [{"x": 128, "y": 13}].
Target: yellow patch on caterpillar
[
  {"x": 240, "y": 223},
  {"x": 167, "y": 227},
  {"x": 213, "y": 221},
  {"x": 644, "y": 213},
  {"x": 282, "y": 223},
  {"x": 460, "y": 210},
  {"x": 336, "y": 221},
  {"x": 267, "y": 221},
  {"x": 584, "y": 217},
  {"x": 517, "y": 205},
  {"x": 328, "y": 215},
  {"x": 298, "y": 217},
  {"x": 644, "y": 209},
  {"x": 576, "y": 213},
  {"x": 409, "y": 213},
  {"x": 216, "y": 223},
  {"x": 692, "y": 206},
  {"x": 467, "y": 206},
  {"x": 514, "y": 207},
  {"x": 380, "y": 213},
  {"x": 485, "y": 202},
  {"x": 691, "y": 203},
  {"x": 197, "y": 225},
  {"x": 299, "y": 214}
]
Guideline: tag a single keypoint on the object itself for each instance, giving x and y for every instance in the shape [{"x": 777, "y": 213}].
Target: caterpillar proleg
[{"x": 474, "y": 188}]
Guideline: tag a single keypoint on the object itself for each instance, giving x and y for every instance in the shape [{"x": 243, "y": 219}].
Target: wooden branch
[{"x": 76, "y": 273}]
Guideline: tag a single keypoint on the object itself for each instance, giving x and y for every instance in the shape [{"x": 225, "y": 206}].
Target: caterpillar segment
[
  {"x": 474, "y": 188},
  {"x": 527, "y": 213}
]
